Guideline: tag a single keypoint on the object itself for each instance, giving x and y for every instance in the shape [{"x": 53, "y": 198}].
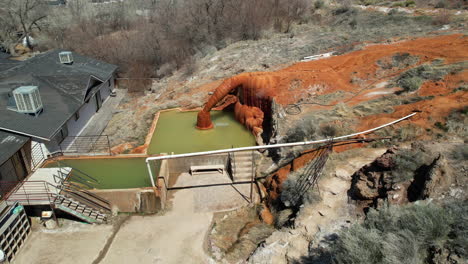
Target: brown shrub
[{"x": 171, "y": 33}]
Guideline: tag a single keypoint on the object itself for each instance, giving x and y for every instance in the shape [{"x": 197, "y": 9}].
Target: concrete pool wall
[
  {"x": 170, "y": 169},
  {"x": 192, "y": 139},
  {"x": 135, "y": 200},
  {"x": 111, "y": 172},
  {"x": 141, "y": 198},
  {"x": 163, "y": 182},
  {"x": 148, "y": 200},
  {"x": 144, "y": 148},
  {"x": 177, "y": 166},
  {"x": 131, "y": 200}
]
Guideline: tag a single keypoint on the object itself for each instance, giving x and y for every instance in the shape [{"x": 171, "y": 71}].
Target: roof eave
[{"x": 24, "y": 134}]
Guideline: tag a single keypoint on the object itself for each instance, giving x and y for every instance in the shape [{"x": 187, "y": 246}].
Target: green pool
[
  {"x": 176, "y": 132},
  {"x": 119, "y": 173}
]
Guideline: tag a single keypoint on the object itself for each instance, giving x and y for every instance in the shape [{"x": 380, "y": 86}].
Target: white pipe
[
  {"x": 151, "y": 174},
  {"x": 211, "y": 152}
]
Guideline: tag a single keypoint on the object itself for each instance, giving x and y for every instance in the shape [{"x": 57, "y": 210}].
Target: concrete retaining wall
[
  {"x": 144, "y": 200},
  {"x": 163, "y": 181},
  {"x": 183, "y": 164},
  {"x": 138, "y": 200}
]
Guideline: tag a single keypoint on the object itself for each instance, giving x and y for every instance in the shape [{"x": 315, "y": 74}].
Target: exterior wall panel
[{"x": 86, "y": 112}]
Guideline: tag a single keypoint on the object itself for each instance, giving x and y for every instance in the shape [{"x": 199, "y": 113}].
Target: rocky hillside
[
  {"x": 332, "y": 29},
  {"x": 372, "y": 198}
]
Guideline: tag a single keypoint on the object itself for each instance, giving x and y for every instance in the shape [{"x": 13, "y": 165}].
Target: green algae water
[
  {"x": 176, "y": 132},
  {"x": 118, "y": 173}
]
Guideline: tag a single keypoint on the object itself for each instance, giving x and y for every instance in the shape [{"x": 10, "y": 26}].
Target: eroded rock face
[
  {"x": 252, "y": 103},
  {"x": 377, "y": 181},
  {"x": 370, "y": 182},
  {"x": 425, "y": 185},
  {"x": 236, "y": 234}
]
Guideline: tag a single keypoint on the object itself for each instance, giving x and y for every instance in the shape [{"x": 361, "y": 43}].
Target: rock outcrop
[
  {"x": 252, "y": 100},
  {"x": 370, "y": 182},
  {"x": 425, "y": 185},
  {"x": 376, "y": 182}
]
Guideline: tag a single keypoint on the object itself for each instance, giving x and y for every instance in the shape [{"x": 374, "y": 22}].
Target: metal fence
[{"x": 76, "y": 145}]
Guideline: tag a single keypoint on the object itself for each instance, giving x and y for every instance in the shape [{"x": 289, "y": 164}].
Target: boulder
[
  {"x": 369, "y": 181},
  {"x": 429, "y": 181}
]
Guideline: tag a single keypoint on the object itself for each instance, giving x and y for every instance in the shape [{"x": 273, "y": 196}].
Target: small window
[
  {"x": 63, "y": 134},
  {"x": 108, "y": 83},
  {"x": 77, "y": 115}
]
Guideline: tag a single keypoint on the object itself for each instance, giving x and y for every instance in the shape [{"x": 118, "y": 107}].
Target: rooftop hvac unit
[
  {"x": 28, "y": 100},
  {"x": 66, "y": 57}
]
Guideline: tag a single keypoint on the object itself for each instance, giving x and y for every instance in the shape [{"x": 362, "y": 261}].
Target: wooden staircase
[{"x": 80, "y": 210}]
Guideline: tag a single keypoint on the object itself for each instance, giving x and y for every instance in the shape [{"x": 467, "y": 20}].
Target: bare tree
[
  {"x": 20, "y": 18},
  {"x": 288, "y": 11}
]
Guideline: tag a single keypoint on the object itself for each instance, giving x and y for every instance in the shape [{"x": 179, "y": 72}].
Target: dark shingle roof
[
  {"x": 5, "y": 63},
  {"x": 62, "y": 88},
  {"x": 48, "y": 64},
  {"x": 10, "y": 144},
  {"x": 4, "y": 55}
]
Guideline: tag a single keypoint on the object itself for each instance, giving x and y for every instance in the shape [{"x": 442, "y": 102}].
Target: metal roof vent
[
  {"x": 66, "y": 57},
  {"x": 28, "y": 100}
]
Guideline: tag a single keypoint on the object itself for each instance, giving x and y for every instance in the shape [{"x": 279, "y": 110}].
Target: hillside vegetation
[{"x": 399, "y": 199}]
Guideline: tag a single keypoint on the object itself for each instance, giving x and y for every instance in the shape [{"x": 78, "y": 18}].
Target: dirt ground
[
  {"x": 74, "y": 242},
  {"x": 178, "y": 236},
  {"x": 175, "y": 236}
]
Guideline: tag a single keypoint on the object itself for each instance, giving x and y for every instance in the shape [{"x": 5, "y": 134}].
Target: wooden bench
[{"x": 206, "y": 169}]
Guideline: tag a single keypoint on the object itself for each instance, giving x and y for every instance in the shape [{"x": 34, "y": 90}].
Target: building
[
  {"x": 52, "y": 95},
  {"x": 15, "y": 160},
  {"x": 44, "y": 100}
]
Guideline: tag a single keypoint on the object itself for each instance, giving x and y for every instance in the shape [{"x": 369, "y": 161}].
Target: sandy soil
[
  {"x": 337, "y": 73},
  {"x": 176, "y": 237},
  {"x": 219, "y": 195},
  {"x": 73, "y": 243}
]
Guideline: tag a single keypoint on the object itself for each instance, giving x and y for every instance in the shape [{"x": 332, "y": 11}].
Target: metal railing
[
  {"x": 39, "y": 192},
  {"x": 264, "y": 147},
  {"x": 79, "y": 176},
  {"x": 37, "y": 155},
  {"x": 75, "y": 145},
  {"x": 29, "y": 192},
  {"x": 70, "y": 190}
]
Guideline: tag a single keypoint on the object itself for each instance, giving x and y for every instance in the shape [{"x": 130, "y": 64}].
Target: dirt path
[
  {"x": 176, "y": 237},
  {"x": 334, "y": 203}
]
